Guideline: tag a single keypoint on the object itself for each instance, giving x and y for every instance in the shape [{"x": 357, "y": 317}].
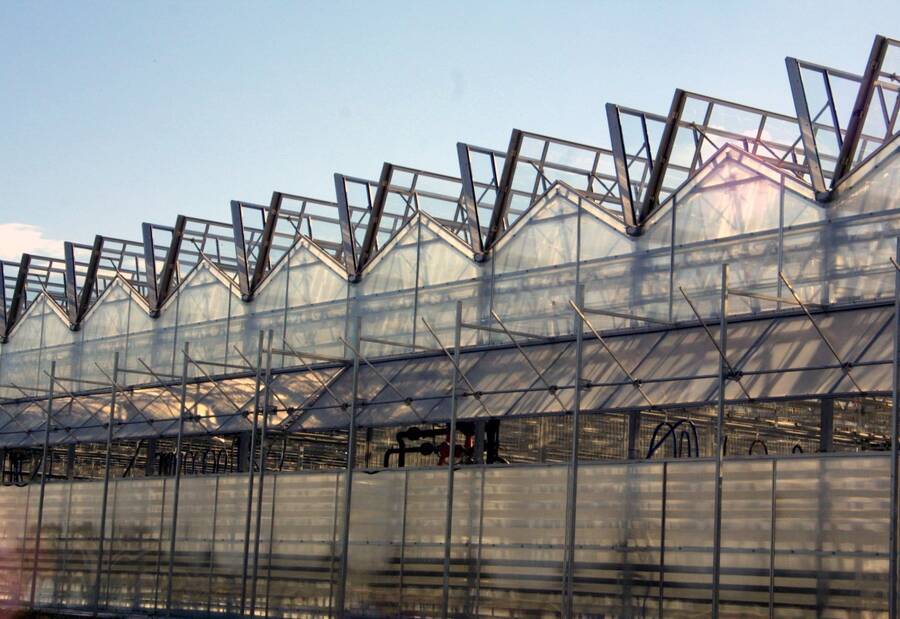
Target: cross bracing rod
[
  {"x": 375, "y": 340},
  {"x": 552, "y": 389},
  {"x": 473, "y": 390},
  {"x": 732, "y": 373},
  {"x": 634, "y": 381},
  {"x": 845, "y": 366},
  {"x": 315, "y": 374},
  {"x": 768, "y": 297},
  {"x": 477, "y": 327},
  {"x": 408, "y": 401}
]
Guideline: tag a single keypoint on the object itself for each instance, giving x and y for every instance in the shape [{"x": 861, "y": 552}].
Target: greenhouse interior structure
[{"x": 657, "y": 378}]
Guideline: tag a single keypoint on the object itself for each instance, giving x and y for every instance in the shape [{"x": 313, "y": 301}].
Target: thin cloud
[{"x": 16, "y": 239}]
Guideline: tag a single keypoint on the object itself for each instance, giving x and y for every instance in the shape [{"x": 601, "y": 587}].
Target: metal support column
[
  {"x": 773, "y": 501},
  {"x": 149, "y": 467},
  {"x": 70, "y": 461},
  {"x": 45, "y": 470},
  {"x": 348, "y": 477},
  {"x": 720, "y": 423},
  {"x": 173, "y": 529},
  {"x": 105, "y": 501},
  {"x": 267, "y": 402},
  {"x": 242, "y": 453},
  {"x": 895, "y": 430},
  {"x": 634, "y": 432},
  {"x": 826, "y": 425},
  {"x": 451, "y": 462},
  {"x": 572, "y": 486},
  {"x": 662, "y": 540}
]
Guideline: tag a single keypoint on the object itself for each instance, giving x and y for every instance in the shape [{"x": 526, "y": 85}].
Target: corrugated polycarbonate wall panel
[
  {"x": 305, "y": 559},
  {"x": 423, "y": 542},
  {"x": 13, "y": 516},
  {"x": 522, "y": 540},
  {"x": 644, "y": 537},
  {"x": 617, "y": 553},
  {"x": 132, "y": 544},
  {"x": 831, "y": 531},
  {"x": 376, "y": 542},
  {"x": 746, "y": 537}
]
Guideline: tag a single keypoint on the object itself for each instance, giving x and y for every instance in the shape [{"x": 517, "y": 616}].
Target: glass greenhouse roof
[{"x": 641, "y": 229}]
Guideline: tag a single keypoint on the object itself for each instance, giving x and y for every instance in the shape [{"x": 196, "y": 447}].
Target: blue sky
[{"x": 121, "y": 112}]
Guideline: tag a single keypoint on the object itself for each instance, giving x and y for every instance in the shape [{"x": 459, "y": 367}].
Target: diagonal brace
[
  {"x": 845, "y": 366},
  {"x": 475, "y": 393},
  {"x": 634, "y": 381},
  {"x": 732, "y": 373},
  {"x": 550, "y": 388},
  {"x": 408, "y": 401}
]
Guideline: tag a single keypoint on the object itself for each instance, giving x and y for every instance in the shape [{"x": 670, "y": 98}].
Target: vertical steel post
[
  {"x": 267, "y": 401},
  {"x": 402, "y": 543},
  {"x": 826, "y": 425},
  {"x": 250, "y": 476},
  {"x": 271, "y": 538},
  {"x": 720, "y": 423},
  {"x": 572, "y": 489},
  {"x": 212, "y": 547},
  {"x": 662, "y": 540},
  {"x": 348, "y": 477},
  {"x": 178, "y": 462},
  {"x": 772, "y": 541},
  {"x": 895, "y": 430},
  {"x": 451, "y": 461},
  {"x": 105, "y": 501},
  {"x": 45, "y": 470}
]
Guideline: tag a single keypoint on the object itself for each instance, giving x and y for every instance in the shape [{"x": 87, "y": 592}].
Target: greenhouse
[{"x": 657, "y": 378}]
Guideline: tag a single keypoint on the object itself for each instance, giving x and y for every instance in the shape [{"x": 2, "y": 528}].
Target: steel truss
[{"x": 646, "y": 162}]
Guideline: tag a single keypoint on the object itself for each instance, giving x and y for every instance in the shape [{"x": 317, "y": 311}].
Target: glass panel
[
  {"x": 447, "y": 275},
  {"x": 203, "y": 306},
  {"x": 625, "y": 275},
  {"x": 385, "y": 297},
  {"x": 746, "y": 534},
  {"x": 228, "y": 541},
  {"x": 317, "y": 306},
  {"x": 423, "y": 543},
  {"x": 104, "y": 332},
  {"x": 534, "y": 268},
  {"x": 12, "y": 528}
]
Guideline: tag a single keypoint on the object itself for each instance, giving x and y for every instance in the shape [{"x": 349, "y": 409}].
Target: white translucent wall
[
  {"x": 316, "y": 304},
  {"x": 736, "y": 210},
  {"x": 535, "y": 267},
  {"x": 385, "y": 298},
  {"x": 815, "y": 526},
  {"x": 447, "y": 275}
]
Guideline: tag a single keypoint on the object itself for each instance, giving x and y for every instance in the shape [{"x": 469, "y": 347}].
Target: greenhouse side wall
[{"x": 806, "y": 535}]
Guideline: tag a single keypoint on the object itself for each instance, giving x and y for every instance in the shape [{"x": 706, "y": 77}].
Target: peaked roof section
[{"x": 651, "y": 155}]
